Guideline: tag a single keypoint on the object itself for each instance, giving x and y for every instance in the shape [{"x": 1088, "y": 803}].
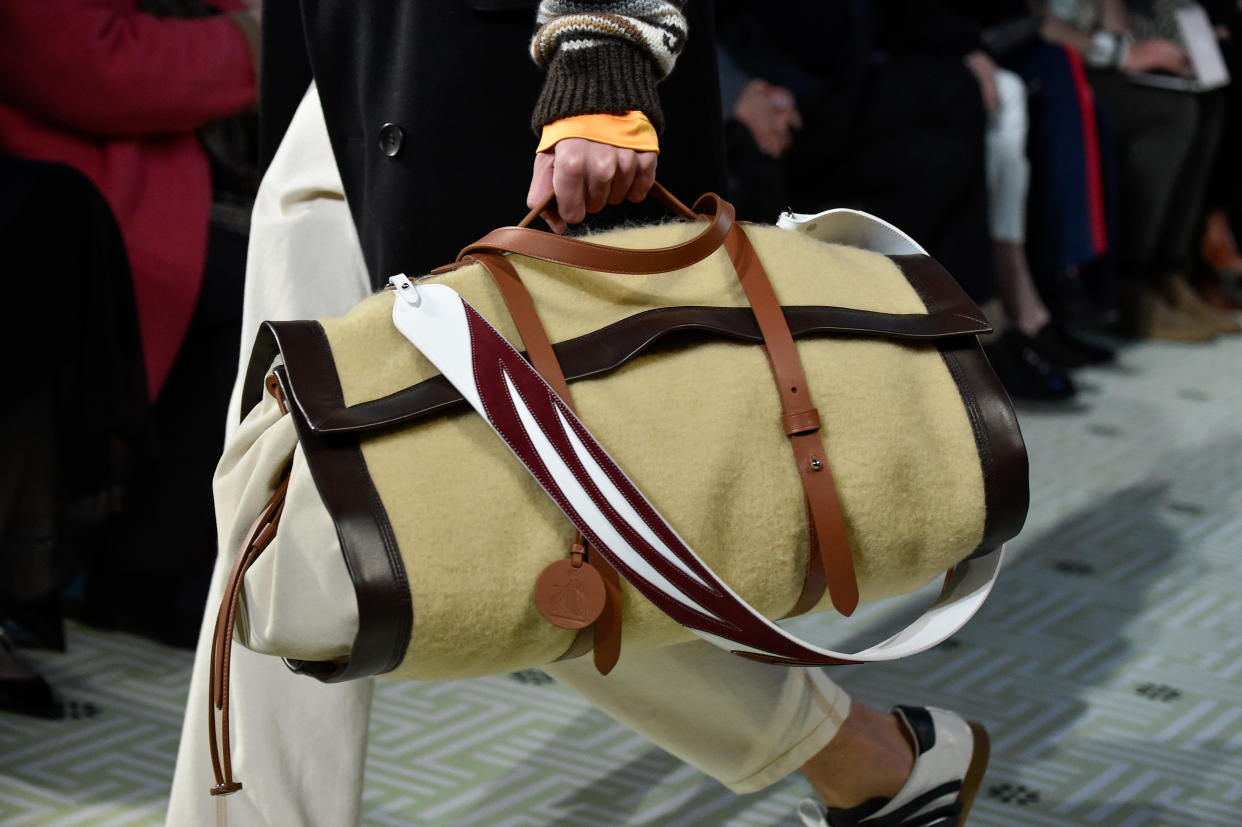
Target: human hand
[
  {"x": 984, "y": 70},
  {"x": 770, "y": 114},
  {"x": 586, "y": 175},
  {"x": 1158, "y": 55}
]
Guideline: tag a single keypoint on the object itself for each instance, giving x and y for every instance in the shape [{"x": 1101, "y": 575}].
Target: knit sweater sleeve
[{"x": 605, "y": 56}]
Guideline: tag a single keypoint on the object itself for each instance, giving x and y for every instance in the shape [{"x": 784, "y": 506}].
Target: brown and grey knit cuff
[{"x": 609, "y": 76}]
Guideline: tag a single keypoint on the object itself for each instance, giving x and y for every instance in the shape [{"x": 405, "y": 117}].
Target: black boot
[
  {"x": 1025, "y": 372},
  {"x": 22, "y": 690},
  {"x": 1060, "y": 346}
]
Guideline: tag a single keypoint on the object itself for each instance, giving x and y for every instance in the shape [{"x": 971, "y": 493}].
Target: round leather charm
[{"x": 570, "y": 596}]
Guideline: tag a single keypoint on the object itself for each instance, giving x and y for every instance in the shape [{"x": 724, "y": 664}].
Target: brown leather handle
[
  {"x": 587, "y": 256},
  {"x": 669, "y": 200}
]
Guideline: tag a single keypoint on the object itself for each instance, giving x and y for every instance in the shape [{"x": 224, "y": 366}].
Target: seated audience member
[
  {"x": 1071, "y": 155},
  {"x": 73, "y": 389},
  {"x": 1008, "y": 187},
  {"x": 1220, "y": 279},
  {"x": 120, "y": 95},
  {"x": 1168, "y": 141},
  {"x": 889, "y": 116},
  {"x": 1217, "y": 249}
]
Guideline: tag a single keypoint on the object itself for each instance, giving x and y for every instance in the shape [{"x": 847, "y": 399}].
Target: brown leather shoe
[
  {"x": 1219, "y": 249},
  {"x": 1181, "y": 296},
  {"x": 1149, "y": 316}
]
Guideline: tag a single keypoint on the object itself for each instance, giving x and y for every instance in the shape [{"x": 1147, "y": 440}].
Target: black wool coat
[{"x": 428, "y": 105}]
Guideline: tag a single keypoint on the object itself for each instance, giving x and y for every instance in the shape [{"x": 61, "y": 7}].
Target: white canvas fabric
[{"x": 304, "y": 259}]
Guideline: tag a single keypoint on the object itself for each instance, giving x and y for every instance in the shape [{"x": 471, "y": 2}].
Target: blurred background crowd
[{"x": 1071, "y": 162}]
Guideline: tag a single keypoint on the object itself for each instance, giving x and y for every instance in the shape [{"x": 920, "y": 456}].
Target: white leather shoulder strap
[{"x": 853, "y": 228}]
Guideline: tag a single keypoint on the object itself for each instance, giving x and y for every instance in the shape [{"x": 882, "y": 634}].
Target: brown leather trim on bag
[
  {"x": 829, "y": 558},
  {"x": 262, "y": 355},
  {"x": 385, "y": 610},
  {"x": 1002, "y": 452},
  {"x": 611, "y": 347}
]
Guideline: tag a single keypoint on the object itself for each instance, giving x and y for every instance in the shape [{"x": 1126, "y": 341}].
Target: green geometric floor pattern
[{"x": 1107, "y": 664}]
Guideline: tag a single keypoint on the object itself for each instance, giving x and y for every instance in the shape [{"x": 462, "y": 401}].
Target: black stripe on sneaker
[
  {"x": 907, "y": 815},
  {"x": 904, "y": 816},
  {"x": 919, "y": 720}
]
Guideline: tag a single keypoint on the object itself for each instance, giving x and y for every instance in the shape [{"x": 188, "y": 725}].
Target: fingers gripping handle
[
  {"x": 583, "y": 254},
  {"x": 669, "y": 200}
]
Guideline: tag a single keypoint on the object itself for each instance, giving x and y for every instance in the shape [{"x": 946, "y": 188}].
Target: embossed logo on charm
[{"x": 570, "y": 596}]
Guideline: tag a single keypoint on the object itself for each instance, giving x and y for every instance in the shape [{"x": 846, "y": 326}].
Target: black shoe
[
  {"x": 1061, "y": 347},
  {"x": 22, "y": 690},
  {"x": 1024, "y": 371}
]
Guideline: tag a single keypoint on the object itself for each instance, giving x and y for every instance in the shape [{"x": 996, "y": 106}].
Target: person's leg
[
  {"x": 1157, "y": 133},
  {"x": 746, "y": 724},
  {"x": 135, "y": 584},
  {"x": 952, "y": 114},
  {"x": 27, "y": 549},
  {"x": 1009, "y": 175},
  {"x": 299, "y": 746},
  {"x": 1188, "y": 199},
  {"x": 870, "y": 757},
  {"x": 1177, "y": 255},
  {"x": 749, "y": 725}
]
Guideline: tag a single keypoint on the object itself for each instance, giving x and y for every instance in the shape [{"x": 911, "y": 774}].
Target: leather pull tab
[
  {"x": 607, "y": 648},
  {"x": 272, "y": 384},
  {"x": 570, "y": 593},
  {"x": 606, "y": 617}
]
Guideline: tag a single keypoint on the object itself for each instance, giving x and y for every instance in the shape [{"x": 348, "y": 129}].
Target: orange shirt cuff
[{"x": 629, "y": 131}]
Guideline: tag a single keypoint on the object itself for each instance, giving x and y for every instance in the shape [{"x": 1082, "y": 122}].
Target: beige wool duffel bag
[{"x": 816, "y": 421}]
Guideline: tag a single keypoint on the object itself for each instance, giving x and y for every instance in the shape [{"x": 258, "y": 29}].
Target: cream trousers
[{"x": 299, "y": 746}]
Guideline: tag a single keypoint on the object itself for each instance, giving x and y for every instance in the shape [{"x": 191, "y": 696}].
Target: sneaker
[{"x": 950, "y": 757}]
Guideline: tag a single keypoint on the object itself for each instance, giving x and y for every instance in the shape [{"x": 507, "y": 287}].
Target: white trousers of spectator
[
  {"x": 1008, "y": 170},
  {"x": 299, "y": 746}
]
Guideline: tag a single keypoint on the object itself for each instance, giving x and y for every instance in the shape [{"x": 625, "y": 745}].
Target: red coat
[{"x": 117, "y": 94}]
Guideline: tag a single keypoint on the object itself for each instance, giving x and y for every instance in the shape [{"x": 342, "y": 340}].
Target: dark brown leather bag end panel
[
  {"x": 1002, "y": 452},
  {"x": 385, "y": 609}
]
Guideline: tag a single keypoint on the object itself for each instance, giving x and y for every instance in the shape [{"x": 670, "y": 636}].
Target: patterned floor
[{"x": 1108, "y": 664}]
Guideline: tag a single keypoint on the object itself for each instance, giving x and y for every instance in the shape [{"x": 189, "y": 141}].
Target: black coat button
[{"x": 390, "y": 139}]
